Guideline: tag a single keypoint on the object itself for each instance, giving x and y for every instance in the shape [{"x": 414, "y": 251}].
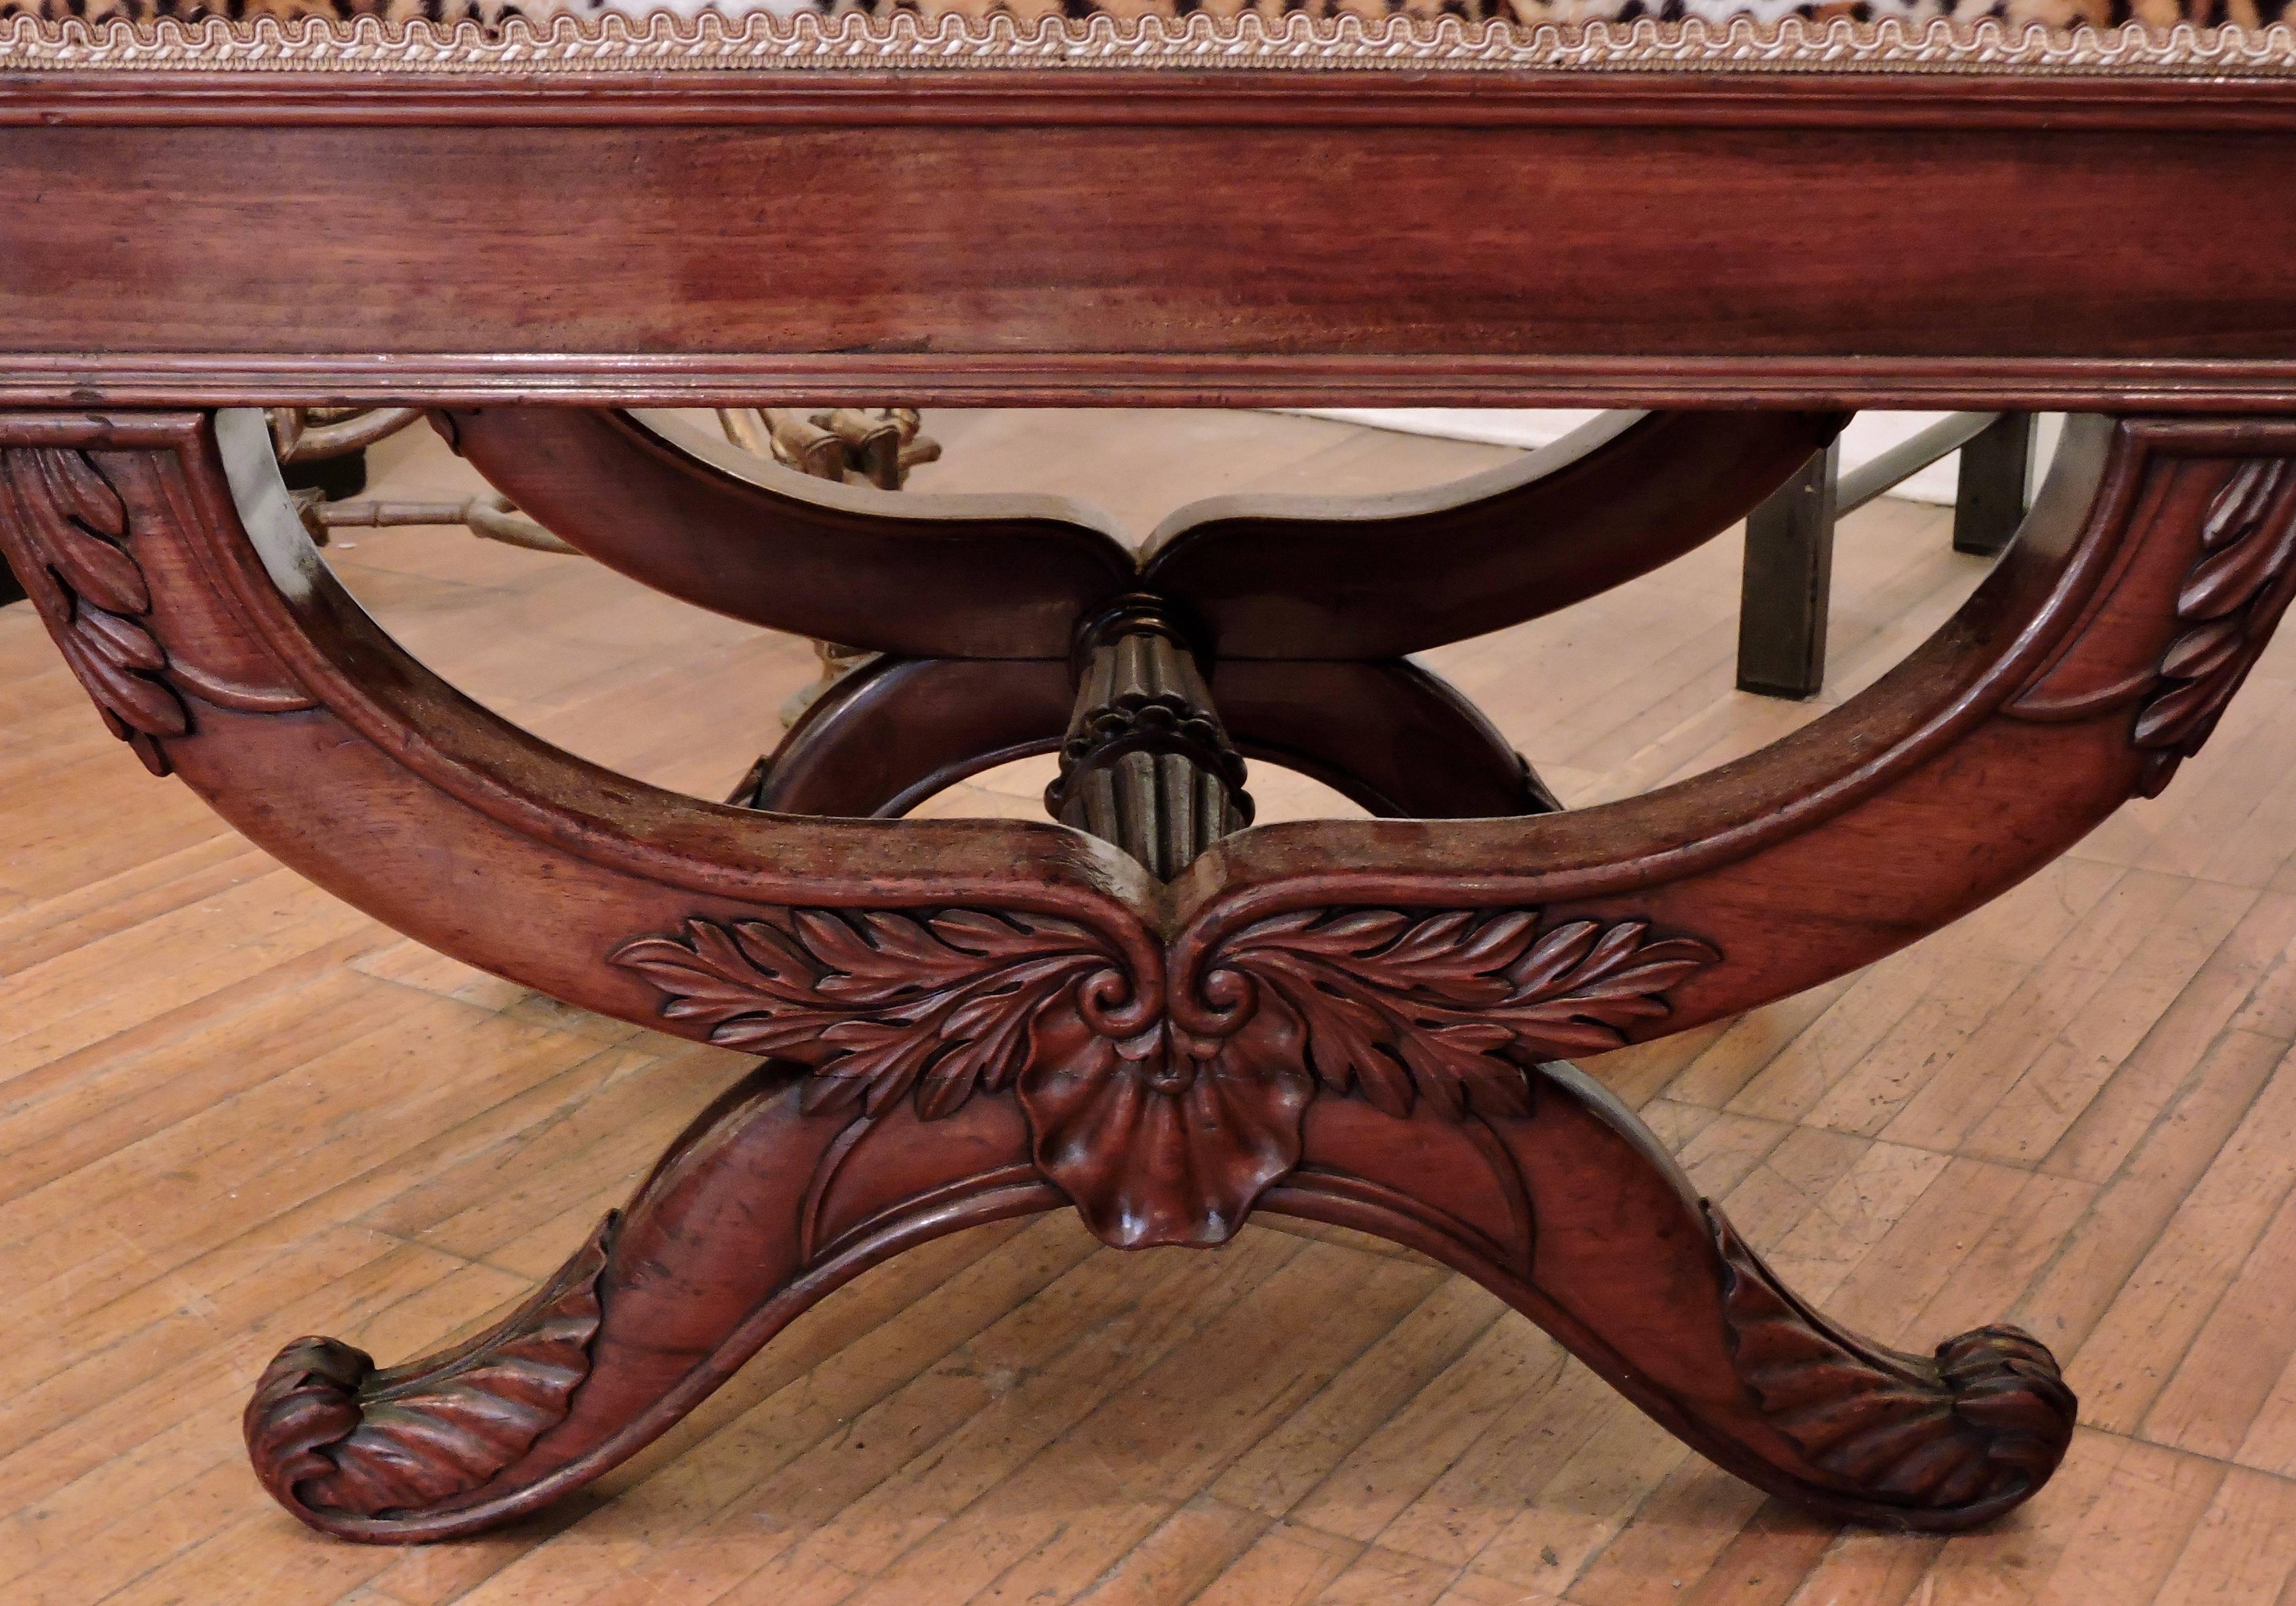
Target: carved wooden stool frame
[
  {"x": 1352, "y": 1022},
  {"x": 1160, "y": 1015}
]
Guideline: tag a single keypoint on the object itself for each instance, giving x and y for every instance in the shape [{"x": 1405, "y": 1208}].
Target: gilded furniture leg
[{"x": 1358, "y": 1021}]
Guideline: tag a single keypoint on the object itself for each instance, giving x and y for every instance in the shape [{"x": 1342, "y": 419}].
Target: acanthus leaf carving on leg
[
  {"x": 328, "y": 1432},
  {"x": 1163, "y": 1120},
  {"x": 90, "y": 591},
  {"x": 2240, "y": 587},
  {"x": 2226, "y": 594},
  {"x": 1981, "y": 1424}
]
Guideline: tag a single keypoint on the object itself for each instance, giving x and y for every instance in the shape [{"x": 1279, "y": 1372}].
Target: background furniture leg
[
  {"x": 1989, "y": 504},
  {"x": 1788, "y": 576}
]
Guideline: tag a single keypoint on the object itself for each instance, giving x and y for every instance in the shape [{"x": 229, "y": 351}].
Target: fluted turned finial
[{"x": 1147, "y": 764}]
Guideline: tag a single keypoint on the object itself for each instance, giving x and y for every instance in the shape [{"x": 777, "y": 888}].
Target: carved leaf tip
[
  {"x": 877, "y": 1002},
  {"x": 2227, "y": 607},
  {"x": 73, "y": 524},
  {"x": 1453, "y": 1005},
  {"x": 1978, "y": 1428},
  {"x": 331, "y": 1435}
]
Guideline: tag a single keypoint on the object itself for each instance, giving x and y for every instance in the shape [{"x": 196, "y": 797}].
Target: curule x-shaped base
[{"x": 1356, "y": 1022}]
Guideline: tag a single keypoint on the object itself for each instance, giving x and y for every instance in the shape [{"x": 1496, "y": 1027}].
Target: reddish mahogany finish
[
  {"x": 1637, "y": 238},
  {"x": 1361, "y": 1022},
  {"x": 1356, "y": 1022}
]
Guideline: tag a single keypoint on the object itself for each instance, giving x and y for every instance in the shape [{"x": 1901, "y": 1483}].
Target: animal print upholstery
[{"x": 2056, "y": 16}]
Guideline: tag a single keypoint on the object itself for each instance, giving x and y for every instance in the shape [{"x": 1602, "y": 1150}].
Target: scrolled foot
[
  {"x": 331, "y": 1437},
  {"x": 1958, "y": 1437}
]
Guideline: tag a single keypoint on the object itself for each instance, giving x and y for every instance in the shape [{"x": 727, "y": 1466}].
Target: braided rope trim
[{"x": 617, "y": 43}]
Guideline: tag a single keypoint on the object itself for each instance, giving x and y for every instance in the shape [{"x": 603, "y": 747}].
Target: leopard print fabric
[{"x": 2057, "y": 16}]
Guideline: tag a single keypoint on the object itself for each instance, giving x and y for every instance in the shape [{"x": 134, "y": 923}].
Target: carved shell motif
[
  {"x": 1984, "y": 1422},
  {"x": 328, "y": 1433},
  {"x": 2227, "y": 610},
  {"x": 1163, "y": 1104},
  {"x": 72, "y": 524}
]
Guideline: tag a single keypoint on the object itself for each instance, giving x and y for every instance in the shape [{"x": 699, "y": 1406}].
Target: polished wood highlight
[{"x": 1253, "y": 1333}]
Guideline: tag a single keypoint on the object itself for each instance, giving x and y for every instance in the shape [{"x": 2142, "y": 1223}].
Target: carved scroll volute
[
  {"x": 1972, "y": 1430},
  {"x": 329, "y": 1433},
  {"x": 1163, "y": 1118}
]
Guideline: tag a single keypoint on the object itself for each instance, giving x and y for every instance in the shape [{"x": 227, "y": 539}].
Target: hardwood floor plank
[
  {"x": 2126, "y": 1213},
  {"x": 2240, "y": 1550},
  {"x": 2132, "y": 1537},
  {"x": 1512, "y": 1362},
  {"x": 1923, "y": 1251},
  {"x": 2209, "y": 1403},
  {"x": 2121, "y": 1367},
  {"x": 1288, "y": 1564},
  {"x": 1275, "y": 1474},
  {"x": 1868, "y": 1570},
  {"x": 1574, "y": 1514},
  {"x": 1689, "y": 1518},
  {"x": 1765, "y": 1563},
  {"x": 1193, "y": 1546},
  {"x": 2100, "y": 1130}
]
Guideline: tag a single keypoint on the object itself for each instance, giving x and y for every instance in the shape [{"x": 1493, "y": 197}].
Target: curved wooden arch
[
  {"x": 1376, "y": 577},
  {"x": 1007, "y": 577},
  {"x": 1343, "y": 1019},
  {"x": 1393, "y": 738},
  {"x": 1702, "y": 856},
  {"x": 981, "y": 577}
]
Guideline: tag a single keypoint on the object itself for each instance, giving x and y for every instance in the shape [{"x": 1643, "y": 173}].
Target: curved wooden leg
[
  {"x": 1572, "y": 1213},
  {"x": 757, "y": 1212}
]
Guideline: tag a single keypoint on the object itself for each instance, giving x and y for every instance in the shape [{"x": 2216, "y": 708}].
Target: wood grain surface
[
  {"x": 2067, "y": 1107},
  {"x": 1037, "y": 249}
]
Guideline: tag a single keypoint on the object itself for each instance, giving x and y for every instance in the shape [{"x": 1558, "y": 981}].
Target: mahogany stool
[{"x": 1150, "y": 1011}]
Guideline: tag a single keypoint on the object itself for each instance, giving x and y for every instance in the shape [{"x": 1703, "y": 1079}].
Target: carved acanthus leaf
[
  {"x": 1451, "y": 1006},
  {"x": 1986, "y": 1418},
  {"x": 73, "y": 525},
  {"x": 878, "y": 1002},
  {"x": 1161, "y": 1132},
  {"x": 2227, "y": 610},
  {"x": 328, "y": 1432}
]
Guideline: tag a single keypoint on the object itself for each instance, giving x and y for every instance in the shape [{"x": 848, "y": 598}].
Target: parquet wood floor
[{"x": 232, "y": 1110}]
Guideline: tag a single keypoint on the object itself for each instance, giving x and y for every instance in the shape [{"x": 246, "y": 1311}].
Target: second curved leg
[{"x": 1574, "y": 1215}]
